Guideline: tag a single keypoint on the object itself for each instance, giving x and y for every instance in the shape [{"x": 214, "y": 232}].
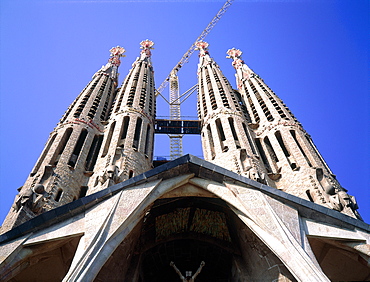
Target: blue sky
[{"x": 313, "y": 54}]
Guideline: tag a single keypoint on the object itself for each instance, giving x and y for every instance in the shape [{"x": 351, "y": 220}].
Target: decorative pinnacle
[
  {"x": 202, "y": 46},
  {"x": 116, "y": 53},
  {"x": 235, "y": 54},
  {"x": 146, "y": 45}
]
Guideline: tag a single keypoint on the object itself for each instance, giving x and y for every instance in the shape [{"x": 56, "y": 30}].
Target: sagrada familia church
[{"x": 261, "y": 206}]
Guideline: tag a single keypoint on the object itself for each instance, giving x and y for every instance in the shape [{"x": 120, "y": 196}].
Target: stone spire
[
  {"x": 62, "y": 171},
  {"x": 128, "y": 143},
  {"x": 226, "y": 139},
  {"x": 288, "y": 152}
]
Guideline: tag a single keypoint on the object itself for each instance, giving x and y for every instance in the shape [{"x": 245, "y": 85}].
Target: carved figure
[
  {"x": 188, "y": 277},
  {"x": 24, "y": 199},
  {"x": 111, "y": 174},
  {"x": 30, "y": 197}
]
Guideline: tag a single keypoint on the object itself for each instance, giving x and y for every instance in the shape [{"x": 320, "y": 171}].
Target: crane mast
[
  {"x": 175, "y": 114},
  {"x": 172, "y": 78}
]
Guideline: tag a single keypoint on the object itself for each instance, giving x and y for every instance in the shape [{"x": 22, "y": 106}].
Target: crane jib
[{"x": 185, "y": 58}]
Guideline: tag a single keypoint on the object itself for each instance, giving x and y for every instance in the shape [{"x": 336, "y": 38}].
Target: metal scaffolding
[{"x": 172, "y": 78}]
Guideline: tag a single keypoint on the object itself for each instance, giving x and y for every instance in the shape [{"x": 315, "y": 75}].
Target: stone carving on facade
[
  {"x": 30, "y": 197},
  {"x": 250, "y": 168},
  {"x": 110, "y": 174},
  {"x": 330, "y": 196},
  {"x": 188, "y": 274}
]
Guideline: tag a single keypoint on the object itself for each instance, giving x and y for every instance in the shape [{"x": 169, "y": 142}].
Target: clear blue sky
[{"x": 313, "y": 54}]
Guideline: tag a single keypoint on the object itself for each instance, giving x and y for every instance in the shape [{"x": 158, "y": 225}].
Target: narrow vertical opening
[
  {"x": 130, "y": 174},
  {"x": 43, "y": 155},
  {"x": 287, "y": 154},
  {"x": 93, "y": 152},
  {"x": 235, "y": 136},
  {"x": 270, "y": 150},
  {"x": 247, "y": 133},
  {"x": 58, "y": 195},
  {"x": 137, "y": 133},
  {"x": 125, "y": 124},
  {"x": 220, "y": 130},
  {"x": 221, "y": 135},
  {"x": 62, "y": 144},
  {"x": 77, "y": 150},
  {"x": 231, "y": 122},
  {"x": 211, "y": 144},
  {"x": 262, "y": 154},
  {"x": 147, "y": 140},
  {"x": 292, "y": 132},
  {"x": 281, "y": 143},
  {"x": 109, "y": 139},
  {"x": 83, "y": 191}
]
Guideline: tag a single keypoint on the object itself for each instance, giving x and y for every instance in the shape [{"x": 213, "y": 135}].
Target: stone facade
[
  {"x": 188, "y": 211},
  {"x": 262, "y": 206},
  {"x": 288, "y": 152},
  {"x": 226, "y": 138},
  {"x": 63, "y": 169},
  {"x": 128, "y": 143}
]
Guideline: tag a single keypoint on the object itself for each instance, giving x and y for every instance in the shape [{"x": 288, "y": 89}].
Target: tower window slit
[
  {"x": 254, "y": 111},
  {"x": 83, "y": 191},
  {"x": 292, "y": 132},
  {"x": 122, "y": 91},
  {"x": 287, "y": 154},
  {"x": 261, "y": 102},
  {"x": 58, "y": 195},
  {"x": 43, "y": 155},
  {"x": 77, "y": 150},
  {"x": 147, "y": 140},
  {"x": 81, "y": 106},
  {"x": 231, "y": 122},
  {"x": 273, "y": 101},
  {"x": 109, "y": 139},
  {"x": 211, "y": 143},
  {"x": 281, "y": 143},
  {"x": 97, "y": 99},
  {"x": 246, "y": 131},
  {"x": 263, "y": 155},
  {"x": 137, "y": 133},
  {"x": 104, "y": 115},
  {"x": 270, "y": 150},
  {"x": 114, "y": 91},
  {"x": 221, "y": 135},
  {"x": 61, "y": 147},
  {"x": 93, "y": 152},
  {"x": 318, "y": 153}
]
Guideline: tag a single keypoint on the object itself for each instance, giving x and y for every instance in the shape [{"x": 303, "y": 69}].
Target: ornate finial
[
  {"x": 202, "y": 46},
  {"x": 242, "y": 70},
  {"x": 146, "y": 45},
  {"x": 235, "y": 54},
  {"x": 116, "y": 53}
]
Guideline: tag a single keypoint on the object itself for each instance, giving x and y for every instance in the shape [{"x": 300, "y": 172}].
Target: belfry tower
[
  {"x": 128, "y": 144},
  {"x": 288, "y": 152},
  {"x": 226, "y": 138},
  {"x": 61, "y": 173}
]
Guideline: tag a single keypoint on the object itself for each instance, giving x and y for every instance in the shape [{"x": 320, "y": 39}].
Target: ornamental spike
[
  {"x": 116, "y": 53},
  {"x": 202, "y": 46},
  {"x": 146, "y": 45}
]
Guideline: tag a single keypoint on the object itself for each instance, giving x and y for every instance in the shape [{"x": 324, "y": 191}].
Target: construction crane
[{"x": 172, "y": 78}]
